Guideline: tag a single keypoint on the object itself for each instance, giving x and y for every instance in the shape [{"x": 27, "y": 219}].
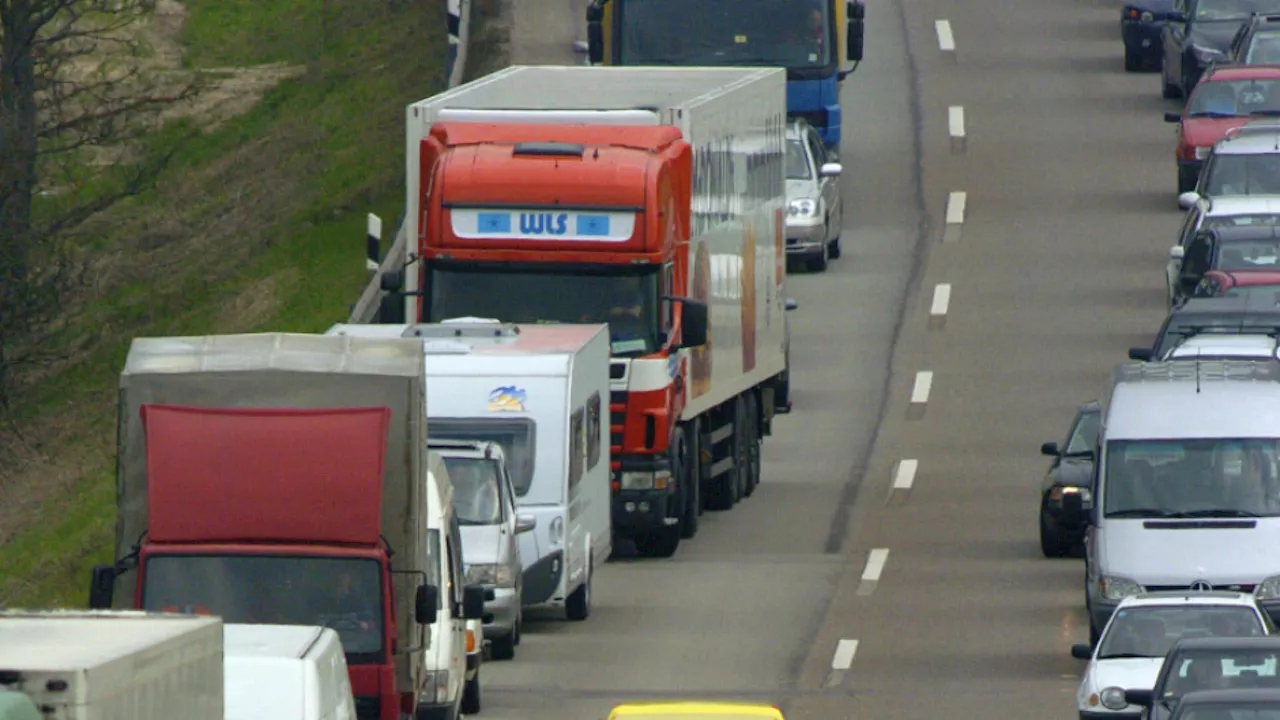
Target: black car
[
  {"x": 1198, "y": 34},
  {"x": 1252, "y": 311},
  {"x": 1203, "y": 663},
  {"x": 1251, "y": 703},
  {"x": 1257, "y": 42},
  {"x": 1231, "y": 248},
  {"x": 1067, "y": 487}
]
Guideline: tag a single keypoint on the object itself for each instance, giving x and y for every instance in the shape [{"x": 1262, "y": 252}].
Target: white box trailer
[
  {"x": 719, "y": 394},
  {"x": 539, "y": 392},
  {"x": 114, "y": 665}
]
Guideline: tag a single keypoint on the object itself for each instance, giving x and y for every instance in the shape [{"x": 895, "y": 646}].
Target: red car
[
  {"x": 1216, "y": 283},
  {"x": 1226, "y": 97}
]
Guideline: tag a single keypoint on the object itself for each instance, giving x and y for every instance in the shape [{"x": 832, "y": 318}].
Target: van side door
[{"x": 457, "y": 625}]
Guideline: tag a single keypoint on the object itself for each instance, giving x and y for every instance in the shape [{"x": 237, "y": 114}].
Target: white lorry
[
  {"x": 113, "y": 665},
  {"x": 539, "y": 391},
  {"x": 561, "y": 194}
]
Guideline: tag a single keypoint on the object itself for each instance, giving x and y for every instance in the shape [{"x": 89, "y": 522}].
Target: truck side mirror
[
  {"x": 473, "y": 602},
  {"x": 426, "y": 604},
  {"x": 525, "y": 523},
  {"x": 693, "y": 324},
  {"x": 391, "y": 309},
  {"x": 595, "y": 33},
  {"x": 857, "y": 12},
  {"x": 102, "y": 587},
  {"x": 391, "y": 281},
  {"x": 1139, "y": 697}
]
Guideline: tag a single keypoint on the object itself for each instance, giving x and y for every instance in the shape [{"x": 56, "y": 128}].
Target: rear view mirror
[
  {"x": 102, "y": 587},
  {"x": 473, "y": 602},
  {"x": 830, "y": 169},
  {"x": 426, "y": 604},
  {"x": 1176, "y": 252},
  {"x": 693, "y": 324},
  {"x": 1141, "y": 354},
  {"x": 1187, "y": 200},
  {"x": 525, "y": 523},
  {"x": 1050, "y": 448},
  {"x": 1081, "y": 652},
  {"x": 1172, "y": 118},
  {"x": 857, "y": 14}
]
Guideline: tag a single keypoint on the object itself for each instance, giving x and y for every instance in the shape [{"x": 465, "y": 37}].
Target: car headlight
[
  {"x": 803, "y": 208},
  {"x": 1268, "y": 589},
  {"x": 1059, "y": 491},
  {"x": 1112, "y": 587},
  {"x": 1112, "y": 698},
  {"x": 1148, "y": 16},
  {"x": 489, "y": 575},
  {"x": 656, "y": 479}
]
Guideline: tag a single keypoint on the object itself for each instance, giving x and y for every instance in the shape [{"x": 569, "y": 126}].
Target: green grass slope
[{"x": 257, "y": 225}]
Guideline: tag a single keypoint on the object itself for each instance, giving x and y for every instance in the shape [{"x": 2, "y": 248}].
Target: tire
[
  {"x": 782, "y": 393},
  {"x": 578, "y": 606},
  {"x": 519, "y": 629},
  {"x": 752, "y": 426},
  {"x": 833, "y": 248},
  {"x": 742, "y": 448},
  {"x": 471, "y": 696},
  {"x": 818, "y": 264},
  {"x": 1186, "y": 181},
  {"x": 503, "y": 648},
  {"x": 1051, "y": 542},
  {"x": 692, "y": 484},
  {"x": 660, "y": 544},
  {"x": 727, "y": 487}
]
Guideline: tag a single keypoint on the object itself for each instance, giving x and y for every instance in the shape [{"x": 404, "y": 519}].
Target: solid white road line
[
  {"x": 956, "y": 202},
  {"x": 955, "y": 121},
  {"x": 946, "y": 41},
  {"x": 875, "y": 564},
  {"x": 906, "y": 475},
  {"x": 845, "y": 650},
  {"x": 920, "y": 390},
  {"x": 941, "y": 299}
]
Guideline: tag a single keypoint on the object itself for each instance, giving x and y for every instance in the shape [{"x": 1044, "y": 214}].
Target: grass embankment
[{"x": 257, "y": 225}]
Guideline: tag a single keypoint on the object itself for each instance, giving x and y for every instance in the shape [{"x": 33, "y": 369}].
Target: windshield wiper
[
  {"x": 1212, "y": 114},
  {"x": 1142, "y": 513},
  {"x": 1218, "y": 513},
  {"x": 1266, "y": 113},
  {"x": 1124, "y": 656}
]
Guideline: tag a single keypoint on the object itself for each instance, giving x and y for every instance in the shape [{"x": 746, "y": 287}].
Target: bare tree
[{"x": 77, "y": 97}]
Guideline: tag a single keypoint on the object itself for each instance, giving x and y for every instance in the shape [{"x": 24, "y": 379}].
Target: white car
[
  {"x": 1225, "y": 347},
  {"x": 1210, "y": 213},
  {"x": 815, "y": 211},
  {"x": 1132, "y": 646}
]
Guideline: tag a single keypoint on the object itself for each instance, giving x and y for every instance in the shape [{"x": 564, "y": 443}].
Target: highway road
[{"x": 988, "y": 284}]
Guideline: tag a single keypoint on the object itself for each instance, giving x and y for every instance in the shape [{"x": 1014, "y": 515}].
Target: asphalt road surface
[{"x": 993, "y": 281}]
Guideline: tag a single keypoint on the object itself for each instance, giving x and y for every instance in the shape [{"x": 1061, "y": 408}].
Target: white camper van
[
  {"x": 286, "y": 672},
  {"x": 451, "y": 687},
  {"x": 541, "y": 392}
]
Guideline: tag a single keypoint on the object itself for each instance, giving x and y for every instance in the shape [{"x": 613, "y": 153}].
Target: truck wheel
[
  {"x": 752, "y": 426},
  {"x": 691, "y": 477},
  {"x": 503, "y": 648},
  {"x": 742, "y": 448},
  {"x": 471, "y": 696},
  {"x": 660, "y": 544},
  {"x": 578, "y": 606}
]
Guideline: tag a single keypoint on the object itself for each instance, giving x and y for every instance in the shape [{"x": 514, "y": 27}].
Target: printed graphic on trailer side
[{"x": 508, "y": 398}]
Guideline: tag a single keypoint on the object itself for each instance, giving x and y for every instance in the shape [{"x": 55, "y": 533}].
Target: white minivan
[
  {"x": 285, "y": 672},
  {"x": 447, "y": 694}
]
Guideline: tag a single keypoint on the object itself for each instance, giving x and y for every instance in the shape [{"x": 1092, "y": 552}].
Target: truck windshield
[
  {"x": 341, "y": 593},
  {"x": 477, "y": 498},
  {"x": 622, "y": 296},
  {"x": 1192, "y": 478},
  {"x": 795, "y": 34}
]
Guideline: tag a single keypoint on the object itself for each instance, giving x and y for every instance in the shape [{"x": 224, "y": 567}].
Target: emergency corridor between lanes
[{"x": 1010, "y": 200}]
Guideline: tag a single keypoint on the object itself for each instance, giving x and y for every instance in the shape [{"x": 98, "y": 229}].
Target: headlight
[
  {"x": 1268, "y": 589},
  {"x": 489, "y": 575},
  {"x": 1117, "y": 588},
  {"x": 1059, "y": 491},
  {"x": 1113, "y": 698},
  {"x": 659, "y": 479},
  {"x": 803, "y": 208},
  {"x": 1147, "y": 16}
]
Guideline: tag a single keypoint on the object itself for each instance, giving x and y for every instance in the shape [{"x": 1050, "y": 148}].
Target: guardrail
[{"x": 365, "y": 310}]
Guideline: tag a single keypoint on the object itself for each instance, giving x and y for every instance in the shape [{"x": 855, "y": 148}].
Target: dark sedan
[
  {"x": 1246, "y": 310},
  {"x": 1250, "y": 703},
  {"x": 1140, "y": 23},
  {"x": 1204, "y": 663},
  {"x": 1198, "y": 34},
  {"x": 1065, "y": 491}
]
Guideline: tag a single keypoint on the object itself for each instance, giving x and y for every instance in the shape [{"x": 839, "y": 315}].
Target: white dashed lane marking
[{"x": 946, "y": 41}]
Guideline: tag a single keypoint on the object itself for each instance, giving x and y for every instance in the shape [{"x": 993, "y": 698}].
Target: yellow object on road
[{"x": 696, "y": 711}]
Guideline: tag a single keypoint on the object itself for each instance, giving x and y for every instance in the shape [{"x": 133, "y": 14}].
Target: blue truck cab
[{"x": 819, "y": 42}]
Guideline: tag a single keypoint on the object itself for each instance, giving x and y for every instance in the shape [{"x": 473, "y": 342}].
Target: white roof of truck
[
  {"x": 68, "y": 640},
  {"x": 275, "y": 641}
]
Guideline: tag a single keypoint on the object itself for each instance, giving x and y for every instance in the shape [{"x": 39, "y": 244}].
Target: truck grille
[
  {"x": 1244, "y": 588},
  {"x": 368, "y": 708},
  {"x": 617, "y": 420}
]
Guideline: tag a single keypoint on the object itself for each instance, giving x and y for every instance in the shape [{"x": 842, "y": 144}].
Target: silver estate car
[{"x": 814, "y": 209}]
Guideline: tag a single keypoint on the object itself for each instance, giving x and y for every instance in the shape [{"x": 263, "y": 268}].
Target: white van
[
  {"x": 1187, "y": 488},
  {"x": 285, "y": 672},
  {"x": 447, "y": 676},
  {"x": 541, "y": 392}
]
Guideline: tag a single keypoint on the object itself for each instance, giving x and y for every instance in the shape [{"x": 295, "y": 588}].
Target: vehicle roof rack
[
  {"x": 1188, "y": 331},
  {"x": 1200, "y": 371},
  {"x": 464, "y": 327}
]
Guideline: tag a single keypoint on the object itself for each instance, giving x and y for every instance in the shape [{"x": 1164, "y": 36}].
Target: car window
[
  {"x": 816, "y": 148},
  {"x": 1261, "y": 220},
  {"x": 1151, "y": 630},
  {"x": 798, "y": 161},
  {"x": 1264, "y": 47},
  {"x": 1084, "y": 433},
  {"x": 1243, "y": 174},
  {"x": 1214, "y": 10},
  {"x": 1197, "y": 257},
  {"x": 1250, "y": 255},
  {"x": 1219, "y": 669}
]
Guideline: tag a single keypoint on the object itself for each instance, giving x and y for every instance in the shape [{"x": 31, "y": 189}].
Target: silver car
[
  {"x": 815, "y": 212},
  {"x": 484, "y": 502}
]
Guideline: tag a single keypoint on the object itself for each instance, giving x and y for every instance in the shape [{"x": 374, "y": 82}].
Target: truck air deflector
[
  {"x": 265, "y": 474},
  {"x": 551, "y": 117}
]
